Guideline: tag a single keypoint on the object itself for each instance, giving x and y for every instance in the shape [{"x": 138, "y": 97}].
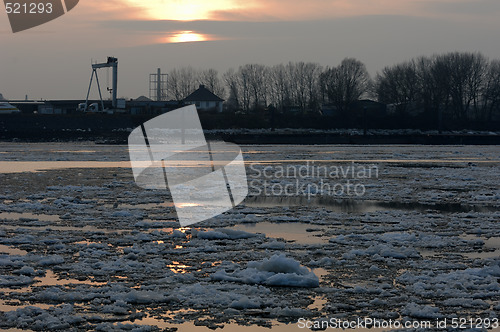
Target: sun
[
  {"x": 183, "y": 10},
  {"x": 186, "y": 37}
]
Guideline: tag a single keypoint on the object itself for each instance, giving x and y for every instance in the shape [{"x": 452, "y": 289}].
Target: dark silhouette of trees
[
  {"x": 455, "y": 86},
  {"x": 182, "y": 82},
  {"x": 255, "y": 86},
  {"x": 491, "y": 100},
  {"x": 466, "y": 74},
  {"x": 279, "y": 86},
  {"x": 399, "y": 85},
  {"x": 232, "y": 82},
  {"x": 257, "y": 76},
  {"x": 346, "y": 83},
  {"x": 211, "y": 80}
]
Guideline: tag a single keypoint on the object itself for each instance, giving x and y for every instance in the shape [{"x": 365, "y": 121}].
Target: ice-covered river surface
[{"x": 83, "y": 248}]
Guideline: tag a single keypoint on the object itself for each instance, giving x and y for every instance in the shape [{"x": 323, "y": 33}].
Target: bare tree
[
  {"x": 182, "y": 82},
  {"x": 279, "y": 86},
  {"x": 434, "y": 92},
  {"x": 232, "y": 81},
  {"x": 492, "y": 91},
  {"x": 346, "y": 83},
  {"x": 210, "y": 78},
  {"x": 246, "y": 94},
  {"x": 173, "y": 85},
  {"x": 456, "y": 85},
  {"x": 312, "y": 73},
  {"x": 466, "y": 74},
  {"x": 255, "y": 77},
  {"x": 299, "y": 88},
  {"x": 399, "y": 85}
]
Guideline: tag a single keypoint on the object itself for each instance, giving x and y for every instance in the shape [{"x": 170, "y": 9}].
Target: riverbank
[{"x": 112, "y": 129}]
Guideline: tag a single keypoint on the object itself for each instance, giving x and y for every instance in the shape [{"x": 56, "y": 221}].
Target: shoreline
[
  {"x": 120, "y": 138},
  {"x": 109, "y": 129}
]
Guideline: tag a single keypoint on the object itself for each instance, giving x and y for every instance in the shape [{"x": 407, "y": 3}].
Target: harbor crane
[{"x": 111, "y": 63}]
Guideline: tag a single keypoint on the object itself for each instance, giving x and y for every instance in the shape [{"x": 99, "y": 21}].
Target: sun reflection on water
[
  {"x": 178, "y": 267},
  {"x": 186, "y": 205}
]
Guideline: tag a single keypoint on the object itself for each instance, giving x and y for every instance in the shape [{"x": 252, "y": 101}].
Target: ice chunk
[
  {"x": 273, "y": 245},
  {"x": 10, "y": 281},
  {"x": 26, "y": 270},
  {"x": 421, "y": 311},
  {"x": 51, "y": 260},
  {"x": 178, "y": 234},
  {"x": 244, "y": 303},
  {"x": 290, "y": 312},
  {"x": 10, "y": 261},
  {"x": 275, "y": 271},
  {"x": 144, "y": 297},
  {"x": 122, "y": 214}
]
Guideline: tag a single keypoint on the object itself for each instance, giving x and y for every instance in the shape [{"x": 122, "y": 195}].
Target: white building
[{"x": 205, "y": 100}]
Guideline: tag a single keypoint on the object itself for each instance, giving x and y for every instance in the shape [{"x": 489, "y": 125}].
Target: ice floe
[{"x": 278, "y": 270}]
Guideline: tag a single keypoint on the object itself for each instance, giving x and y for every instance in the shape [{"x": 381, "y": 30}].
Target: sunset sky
[{"x": 52, "y": 61}]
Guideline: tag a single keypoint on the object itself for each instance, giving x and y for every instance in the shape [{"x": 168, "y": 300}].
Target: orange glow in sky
[
  {"x": 266, "y": 10},
  {"x": 183, "y": 10}
]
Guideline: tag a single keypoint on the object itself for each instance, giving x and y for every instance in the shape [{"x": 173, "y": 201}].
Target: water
[
  {"x": 424, "y": 190},
  {"x": 11, "y": 251},
  {"x": 290, "y": 231},
  {"x": 362, "y": 206},
  {"x": 7, "y": 167},
  {"x": 26, "y": 216}
]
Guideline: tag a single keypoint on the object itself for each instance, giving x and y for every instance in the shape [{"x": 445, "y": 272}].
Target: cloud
[
  {"x": 97, "y": 10},
  {"x": 468, "y": 8},
  {"x": 275, "y": 10},
  {"x": 264, "y": 10}
]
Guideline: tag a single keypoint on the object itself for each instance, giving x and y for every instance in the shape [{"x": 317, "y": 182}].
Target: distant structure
[
  {"x": 158, "y": 86},
  {"x": 205, "y": 100},
  {"x": 1, "y": 97},
  {"x": 111, "y": 63},
  {"x": 143, "y": 99}
]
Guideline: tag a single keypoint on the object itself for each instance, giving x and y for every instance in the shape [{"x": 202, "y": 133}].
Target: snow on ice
[{"x": 87, "y": 249}]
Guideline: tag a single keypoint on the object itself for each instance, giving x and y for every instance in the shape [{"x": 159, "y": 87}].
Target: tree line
[
  {"x": 461, "y": 86},
  {"x": 301, "y": 85}
]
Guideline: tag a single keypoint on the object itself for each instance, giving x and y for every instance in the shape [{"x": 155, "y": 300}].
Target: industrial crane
[{"x": 111, "y": 63}]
